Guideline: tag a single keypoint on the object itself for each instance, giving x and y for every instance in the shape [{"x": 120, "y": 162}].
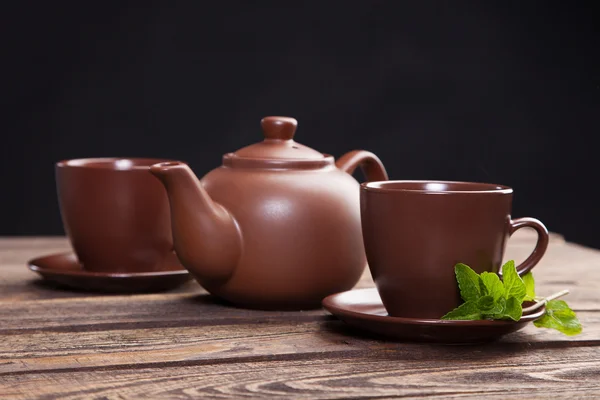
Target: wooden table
[{"x": 184, "y": 344}]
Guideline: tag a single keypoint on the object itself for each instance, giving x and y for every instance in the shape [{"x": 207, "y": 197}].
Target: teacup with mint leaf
[{"x": 415, "y": 232}]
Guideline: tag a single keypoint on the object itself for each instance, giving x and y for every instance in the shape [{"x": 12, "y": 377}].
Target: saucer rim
[
  {"x": 327, "y": 304},
  {"x": 33, "y": 265}
]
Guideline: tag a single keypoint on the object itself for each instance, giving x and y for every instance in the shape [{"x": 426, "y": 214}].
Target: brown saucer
[
  {"x": 65, "y": 269},
  {"x": 363, "y": 309}
]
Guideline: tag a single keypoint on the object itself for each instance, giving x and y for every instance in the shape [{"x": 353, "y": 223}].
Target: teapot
[{"x": 275, "y": 227}]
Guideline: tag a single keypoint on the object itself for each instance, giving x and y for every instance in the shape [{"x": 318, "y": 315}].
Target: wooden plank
[
  {"x": 32, "y": 244},
  {"x": 409, "y": 371},
  {"x": 61, "y": 344},
  {"x": 137, "y": 311},
  {"x": 133, "y": 348},
  {"x": 97, "y": 313},
  {"x": 566, "y": 266},
  {"x": 24, "y": 285},
  {"x": 38, "y": 351}
]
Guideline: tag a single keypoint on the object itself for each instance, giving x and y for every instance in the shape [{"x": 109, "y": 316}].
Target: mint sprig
[
  {"x": 560, "y": 317},
  {"x": 487, "y": 297}
]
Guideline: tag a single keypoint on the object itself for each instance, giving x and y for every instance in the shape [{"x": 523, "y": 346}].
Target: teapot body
[
  {"x": 276, "y": 226},
  {"x": 300, "y": 233}
]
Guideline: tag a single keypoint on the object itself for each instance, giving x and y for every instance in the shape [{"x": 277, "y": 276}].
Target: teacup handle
[
  {"x": 540, "y": 246},
  {"x": 371, "y": 164}
]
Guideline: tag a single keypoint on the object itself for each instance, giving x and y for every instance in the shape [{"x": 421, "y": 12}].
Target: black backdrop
[{"x": 503, "y": 92}]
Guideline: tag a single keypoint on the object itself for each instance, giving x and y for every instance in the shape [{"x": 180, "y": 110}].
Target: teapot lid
[{"x": 279, "y": 143}]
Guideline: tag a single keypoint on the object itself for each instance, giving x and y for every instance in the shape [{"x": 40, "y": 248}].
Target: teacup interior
[
  {"x": 436, "y": 186},
  {"x": 112, "y": 163}
]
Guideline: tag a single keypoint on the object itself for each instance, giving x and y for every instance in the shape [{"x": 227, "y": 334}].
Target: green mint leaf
[
  {"x": 486, "y": 304},
  {"x": 491, "y": 285},
  {"x": 498, "y": 310},
  {"x": 468, "y": 282},
  {"x": 513, "y": 309},
  {"x": 560, "y": 317},
  {"x": 529, "y": 287},
  {"x": 491, "y": 309},
  {"x": 513, "y": 284},
  {"x": 466, "y": 311}
]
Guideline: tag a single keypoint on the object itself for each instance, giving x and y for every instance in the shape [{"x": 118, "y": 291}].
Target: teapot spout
[{"x": 205, "y": 235}]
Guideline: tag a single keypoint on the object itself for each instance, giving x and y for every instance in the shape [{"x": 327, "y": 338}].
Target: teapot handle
[{"x": 370, "y": 164}]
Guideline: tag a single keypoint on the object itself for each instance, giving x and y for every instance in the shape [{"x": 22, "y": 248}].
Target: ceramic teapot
[{"x": 276, "y": 226}]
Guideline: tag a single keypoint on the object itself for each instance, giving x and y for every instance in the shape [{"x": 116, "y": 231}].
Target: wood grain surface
[{"x": 184, "y": 344}]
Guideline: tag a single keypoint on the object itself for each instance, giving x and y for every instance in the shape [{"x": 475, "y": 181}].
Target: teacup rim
[
  {"x": 395, "y": 186},
  {"x": 139, "y": 163}
]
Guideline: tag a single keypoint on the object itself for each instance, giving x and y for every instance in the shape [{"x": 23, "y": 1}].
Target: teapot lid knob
[
  {"x": 278, "y": 143},
  {"x": 279, "y": 128}
]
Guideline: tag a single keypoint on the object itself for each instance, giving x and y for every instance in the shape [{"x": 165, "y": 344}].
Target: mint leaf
[
  {"x": 488, "y": 297},
  {"x": 498, "y": 311},
  {"x": 489, "y": 307},
  {"x": 486, "y": 304},
  {"x": 513, "y": 309},
  {"x": 466, "y": 311},
  {"x": 468, "y": 282},
  {"x": 491, "y": 285},
  {"x": 529, "y": 287},
  {"x": 513, "y": 284},
  {"x": 560, "y": 317}
]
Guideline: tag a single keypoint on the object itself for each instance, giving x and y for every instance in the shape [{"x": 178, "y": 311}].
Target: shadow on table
[
  {"x": 225, "y": 307},
  {"x": 48, "y": 287},
  {"x": 514, "y": 343},
  {"x": 207, "y": 299}
]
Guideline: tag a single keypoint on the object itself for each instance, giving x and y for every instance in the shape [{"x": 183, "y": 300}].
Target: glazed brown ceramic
[
  {"x": 64, "y": 269},
  {"x": 363, "y": 309},
  {"x": 115, "y": 213},
  {"x": 416, "y": 232},
  {"x": 277, "y": 226}
]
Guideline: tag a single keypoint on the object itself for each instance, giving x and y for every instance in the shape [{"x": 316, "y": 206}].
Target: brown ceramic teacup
[
  {"x": 115, "y": 213},
  {"x": 415, "y": 232}
]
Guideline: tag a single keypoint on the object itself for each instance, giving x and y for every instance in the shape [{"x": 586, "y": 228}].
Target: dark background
[{"x": 503, "y": 92}]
